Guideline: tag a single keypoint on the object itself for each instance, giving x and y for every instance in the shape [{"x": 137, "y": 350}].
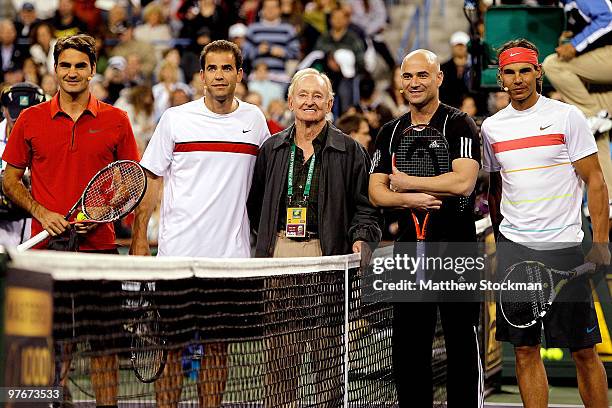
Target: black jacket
[
  {"x": 345, "y": 212},
  {"x": 18, "y": 56},
  {"x": 453, "y": 88}
]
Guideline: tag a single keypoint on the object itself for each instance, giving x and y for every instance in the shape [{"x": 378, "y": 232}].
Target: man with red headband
[{"x": 539, "y": 152}]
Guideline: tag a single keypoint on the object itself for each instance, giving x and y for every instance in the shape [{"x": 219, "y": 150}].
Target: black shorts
[
  {"x": 572, "y": 319},
  {"x": 210, "y": 310}
]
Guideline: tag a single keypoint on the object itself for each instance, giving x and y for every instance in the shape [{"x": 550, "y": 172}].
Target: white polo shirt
[
  {"x": 533, "y": 150},
  {"x": 207, "y": 161}
]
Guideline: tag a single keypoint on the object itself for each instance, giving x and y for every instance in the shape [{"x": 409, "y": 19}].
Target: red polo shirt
[{"x": 63, "y": 155}]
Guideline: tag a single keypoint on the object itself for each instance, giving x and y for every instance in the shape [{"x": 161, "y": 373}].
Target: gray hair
[{"x": 298, "y": 76}]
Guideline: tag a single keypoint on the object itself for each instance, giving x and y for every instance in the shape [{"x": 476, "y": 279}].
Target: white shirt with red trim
[
  {"x": 534, "y": 150},
  {"x": 207, "y": 161}
]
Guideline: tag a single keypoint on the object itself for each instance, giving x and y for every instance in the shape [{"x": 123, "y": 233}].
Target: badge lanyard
[
  {"x": 295, "y": 226},
  {"x": 290, "y": 176}
]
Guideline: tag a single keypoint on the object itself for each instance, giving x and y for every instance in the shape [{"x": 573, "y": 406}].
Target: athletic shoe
[{"x": 600, "y": 123}]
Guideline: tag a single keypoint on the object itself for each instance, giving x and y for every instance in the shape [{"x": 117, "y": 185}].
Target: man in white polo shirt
[
  {"x": 203, "y": 152},
  {"x": 539, "y": 152}
]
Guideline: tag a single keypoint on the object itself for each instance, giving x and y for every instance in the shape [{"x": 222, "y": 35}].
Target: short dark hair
[
  {"x": 523, "y": 43},
  {"x": 222, "y": 46},
  {"x": 337, "y": 8},
  {"x": 350, "y": 123},
  {"x": 80, "y": 42},
  {"x": 367, "y": 86}
]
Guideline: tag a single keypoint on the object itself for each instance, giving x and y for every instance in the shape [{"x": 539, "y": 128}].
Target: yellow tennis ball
[
  {"x": 543, "y": 353},
  {"x": 81, "y": 217},
  {"x": 555, "y": 354}
]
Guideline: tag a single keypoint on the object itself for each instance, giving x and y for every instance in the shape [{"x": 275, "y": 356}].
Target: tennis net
[{"x": 205, "y": 332}]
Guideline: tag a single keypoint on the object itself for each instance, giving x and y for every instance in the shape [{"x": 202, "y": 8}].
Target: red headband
[{"x": 518, "y": 54}]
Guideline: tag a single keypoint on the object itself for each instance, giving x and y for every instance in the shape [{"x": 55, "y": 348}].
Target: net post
[{"x": 347, "y": 288}]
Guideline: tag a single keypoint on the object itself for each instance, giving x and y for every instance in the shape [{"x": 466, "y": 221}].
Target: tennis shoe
[{"x": 600, "y": 123}]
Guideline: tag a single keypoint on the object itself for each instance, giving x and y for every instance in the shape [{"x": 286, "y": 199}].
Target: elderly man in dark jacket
[
  {"x": 339, "y": 216},
  {"x": 309, "y": 197}
]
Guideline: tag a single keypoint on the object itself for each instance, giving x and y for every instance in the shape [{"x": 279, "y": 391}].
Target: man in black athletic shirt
[{"x": 450, "y": 199}]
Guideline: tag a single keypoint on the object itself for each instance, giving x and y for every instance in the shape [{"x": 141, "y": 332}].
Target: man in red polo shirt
[{"x": 64, "y": 142}]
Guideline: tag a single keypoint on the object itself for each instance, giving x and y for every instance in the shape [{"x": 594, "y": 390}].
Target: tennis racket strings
[
  {"x": 422, "y": 152},
  {"x": 524, "y": 307},
  {"x": 115, "y": 192}
]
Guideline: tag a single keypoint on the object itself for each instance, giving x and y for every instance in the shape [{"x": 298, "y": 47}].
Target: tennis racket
[
  {"x": 148, "y": 352},
  {"x": 422, "y": 152},
  {"x": 111, "y": 194},
  {"x": 524, "y": 308}
]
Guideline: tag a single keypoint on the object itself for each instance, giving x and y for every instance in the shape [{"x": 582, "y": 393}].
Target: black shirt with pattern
[{"x": 454, "y": 221}]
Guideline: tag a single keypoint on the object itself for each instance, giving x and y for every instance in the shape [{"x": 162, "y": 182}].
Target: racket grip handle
[
  {"x": 35, "y": 240},
  {"x": 420, "y": 253},
  {"x": 585, "y": 268}
]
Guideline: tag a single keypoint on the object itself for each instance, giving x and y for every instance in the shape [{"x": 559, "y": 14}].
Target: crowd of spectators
[{"x": 148, "y": 53}]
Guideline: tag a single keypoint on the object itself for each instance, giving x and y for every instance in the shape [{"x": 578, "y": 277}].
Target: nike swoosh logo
[
  {"x": 245, "y": 131},
  {"x": 515, "y": 54},
  {"x": 545, "y": 127},
  {"x": 589, "y": 331},
  {"x": 95, "y": 130}
]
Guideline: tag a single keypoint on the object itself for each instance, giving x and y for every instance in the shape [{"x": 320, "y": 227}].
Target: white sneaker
[{"x": 600, "y": 123}]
